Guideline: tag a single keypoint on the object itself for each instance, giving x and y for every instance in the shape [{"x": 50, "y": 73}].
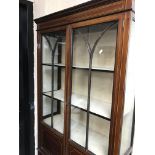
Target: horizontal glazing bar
[
  {"x": 103, "y": 69},
  {"x": 108, "y": 119}
]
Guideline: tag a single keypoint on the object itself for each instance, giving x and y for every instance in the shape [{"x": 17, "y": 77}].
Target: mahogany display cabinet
[{"x": 85, "y": 79}]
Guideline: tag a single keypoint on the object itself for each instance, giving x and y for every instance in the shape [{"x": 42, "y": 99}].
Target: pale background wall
[{"x": 42, "y": 8}]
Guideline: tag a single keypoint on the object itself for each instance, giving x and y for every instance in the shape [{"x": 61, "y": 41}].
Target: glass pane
[
  {"x": 53, "y": 78},
  {"x": 58, "y": 117},
  {"x": 92, "y": 83},
  {"x": 101, "y": 93},
  {"x": 104, "y": 52},
  {"x": 79, "y": 88},
  {"x": 46, "y": 78},
  {"x": 47, "y": 109},
  {"x": 79, "y": 99},
  {"x": 98, "y": 135},
  {"x": 46, "y": 52},
  {"x": 46, "y": 106},
  {"x": 78, "y": 126},
  {"x": 127, "y": 128}
]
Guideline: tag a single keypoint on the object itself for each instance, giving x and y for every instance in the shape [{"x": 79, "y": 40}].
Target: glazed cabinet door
[
  {"x": 53, "y": 79},
  {"x": 92, "y": 74},
  {"x": 52, "y": 93},
  {"x": 95, "y": 66}
]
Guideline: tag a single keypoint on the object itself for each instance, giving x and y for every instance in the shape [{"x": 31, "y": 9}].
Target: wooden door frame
[
  {"x": 118, "y": 107},
  {"x": 41, "y": 124}
]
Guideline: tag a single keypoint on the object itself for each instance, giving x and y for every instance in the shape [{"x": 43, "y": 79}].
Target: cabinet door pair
[{"x": 81, "y": 81}]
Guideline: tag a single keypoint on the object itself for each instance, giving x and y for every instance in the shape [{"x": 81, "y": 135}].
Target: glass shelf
[
  {"x": 57, "y": 65},
  {"x": 106, "y": 69},
  {"x": 79, "y": 101},
  {"x": 62, "y": 43}
]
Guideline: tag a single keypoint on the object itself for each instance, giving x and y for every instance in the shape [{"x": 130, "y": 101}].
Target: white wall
[{"x": 42, "y": 8}]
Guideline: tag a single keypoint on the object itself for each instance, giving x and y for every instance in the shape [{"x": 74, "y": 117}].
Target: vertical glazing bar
[
  {"x": 59, "y": 75},
  {"x": 88, "y": 100},
  {"x": 52, "y": 93},
  {"x": 52, "y": 89},
  {"x": 52, "y": 70}
]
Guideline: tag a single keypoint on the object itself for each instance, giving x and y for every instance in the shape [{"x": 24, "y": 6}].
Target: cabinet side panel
[{"x": 119, "y": 85}]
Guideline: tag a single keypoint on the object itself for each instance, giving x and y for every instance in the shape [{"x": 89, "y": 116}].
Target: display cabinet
[{"x": 85, "y": 80}]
